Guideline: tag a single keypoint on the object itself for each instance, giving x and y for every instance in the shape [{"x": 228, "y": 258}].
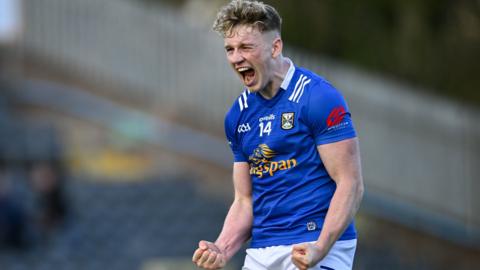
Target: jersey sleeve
[
  {"x": 328, "y": 115},
  {"x": 238, "y": 155}
]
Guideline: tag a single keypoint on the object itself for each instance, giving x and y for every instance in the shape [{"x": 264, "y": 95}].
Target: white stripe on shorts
[{"x": 340, "y": 257}]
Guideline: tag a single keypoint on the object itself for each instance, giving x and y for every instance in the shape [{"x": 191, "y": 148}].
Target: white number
[{"x": 265, "y": 128}]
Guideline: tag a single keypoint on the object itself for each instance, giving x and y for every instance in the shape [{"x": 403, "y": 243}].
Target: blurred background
[{"x": 112, "y": 153}]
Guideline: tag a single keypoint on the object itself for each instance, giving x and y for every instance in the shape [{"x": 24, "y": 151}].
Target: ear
[{"x": 277, "y": 47}]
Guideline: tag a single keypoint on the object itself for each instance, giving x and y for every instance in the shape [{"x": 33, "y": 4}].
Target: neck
[{"x": 280, "y": 69}]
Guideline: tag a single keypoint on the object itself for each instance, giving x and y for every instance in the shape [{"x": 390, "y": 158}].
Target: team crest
[{"x": 288, "y": 120}]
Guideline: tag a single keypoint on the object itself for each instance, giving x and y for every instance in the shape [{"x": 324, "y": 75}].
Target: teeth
[{"x": 242, "y": 69}]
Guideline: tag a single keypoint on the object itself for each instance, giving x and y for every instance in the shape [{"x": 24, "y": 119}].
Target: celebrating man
[{"x": 296, "y": 171}]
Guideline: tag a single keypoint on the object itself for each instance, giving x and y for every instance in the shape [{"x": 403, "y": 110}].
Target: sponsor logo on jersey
[
  {"x": 288, "y": 120},
  {"x": 243, "y": 128},
  {"x": 336, "y": 116},
  {"x": 261, "y": 162},
  {"x": 335, "y": 120},
  {"x": 267, "y": 118}
]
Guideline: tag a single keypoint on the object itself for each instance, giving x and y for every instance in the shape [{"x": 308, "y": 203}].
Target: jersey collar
[{"x": 288, "y": 76}]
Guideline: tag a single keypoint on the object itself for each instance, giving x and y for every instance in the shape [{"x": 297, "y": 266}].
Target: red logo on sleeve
[{"x": 336, "y": 116}]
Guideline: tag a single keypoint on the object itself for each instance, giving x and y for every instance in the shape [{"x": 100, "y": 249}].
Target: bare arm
[
  {"x": 237, "y": 227},
  {"x": 342, "y": 161},
  {"x": 238, "y": 223}
]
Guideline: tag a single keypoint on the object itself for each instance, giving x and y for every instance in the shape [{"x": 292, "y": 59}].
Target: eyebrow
[{"x": 241, "y": 44}]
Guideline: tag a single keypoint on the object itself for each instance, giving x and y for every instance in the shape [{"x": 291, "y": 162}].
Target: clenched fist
[
  {"x": 208, "y": 256},
  {"x": 306, "y": 255}
]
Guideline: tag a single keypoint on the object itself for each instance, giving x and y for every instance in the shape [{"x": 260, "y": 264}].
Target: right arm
[
  {"x": 237, "y": 227},
  {"x": 238, "y": 223}
]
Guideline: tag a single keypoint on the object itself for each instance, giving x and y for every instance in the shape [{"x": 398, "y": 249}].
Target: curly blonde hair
[{"x": 242, "y": 12}]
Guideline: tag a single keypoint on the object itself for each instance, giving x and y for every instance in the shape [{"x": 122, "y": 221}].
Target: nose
[{"x": 236, "y": 57}]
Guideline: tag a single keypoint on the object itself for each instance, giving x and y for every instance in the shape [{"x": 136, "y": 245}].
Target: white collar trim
[{"x": 288, "y": 76}]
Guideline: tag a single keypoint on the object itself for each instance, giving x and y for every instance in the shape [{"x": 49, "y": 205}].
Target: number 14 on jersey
[{"x": 265, "y": 128}]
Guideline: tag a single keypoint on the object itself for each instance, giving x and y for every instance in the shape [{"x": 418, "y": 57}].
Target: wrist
[
  {"x": 326, "y": 240},
  {"x": 223, "y": 249},
  {"x": 321, "y": 247}
]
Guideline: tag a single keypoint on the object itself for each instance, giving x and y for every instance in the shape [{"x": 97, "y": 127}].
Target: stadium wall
[{"x": 420, "y": 152}]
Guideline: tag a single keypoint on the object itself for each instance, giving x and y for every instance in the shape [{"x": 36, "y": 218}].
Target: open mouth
[{"x": 248, "y": 75}]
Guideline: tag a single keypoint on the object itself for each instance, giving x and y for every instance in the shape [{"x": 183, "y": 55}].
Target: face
[{"x": 251, "y": 55}]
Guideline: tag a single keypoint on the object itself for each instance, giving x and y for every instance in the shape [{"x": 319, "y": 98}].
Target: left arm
[{"x": 342, "y": 161}]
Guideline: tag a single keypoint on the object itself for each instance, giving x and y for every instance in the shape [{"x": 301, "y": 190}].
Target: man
[{"x": 296, "y": 174}]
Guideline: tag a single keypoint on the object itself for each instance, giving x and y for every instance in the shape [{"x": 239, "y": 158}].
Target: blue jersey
[{"x": 278, "y": 138}]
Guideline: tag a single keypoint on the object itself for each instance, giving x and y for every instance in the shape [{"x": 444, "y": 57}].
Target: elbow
[{"x": 354, "y": 187}]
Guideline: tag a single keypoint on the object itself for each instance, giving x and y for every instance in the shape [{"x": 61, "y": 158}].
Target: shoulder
[
  {"x": 320, "y": 97},
  {"x": 319, "y": 88},
  {"x": 308, "y": 85},
  {"x": 239, "y": 106}
]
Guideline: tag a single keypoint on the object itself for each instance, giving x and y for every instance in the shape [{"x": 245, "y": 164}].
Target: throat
[{"x": 269, "y": 91}]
